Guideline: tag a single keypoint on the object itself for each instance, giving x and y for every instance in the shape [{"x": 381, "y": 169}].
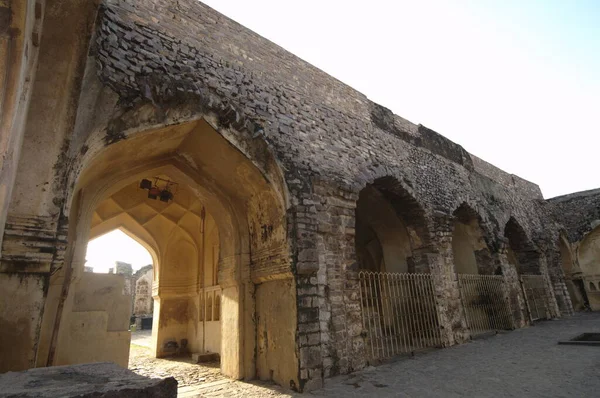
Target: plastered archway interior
[
  {"x": 185, "y": 238},
  {"x": 573, "y": 275},
  {"x": 589, "y": 253},
  {"x": 249, "y": 243},
  {"x": 521, "y": 251},
  {"x": 390, "y": 229},
  {"x": 470, "y": 250},
  {"x": 588, "y": 256}
]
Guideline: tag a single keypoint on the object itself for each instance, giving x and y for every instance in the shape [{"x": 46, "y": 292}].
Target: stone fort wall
[
  {"x": 184, "y": 60},
  {"x": 330, "y": 141}
]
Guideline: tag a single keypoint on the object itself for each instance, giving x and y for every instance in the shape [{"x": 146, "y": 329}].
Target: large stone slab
[{"x": 98, "y": 380}]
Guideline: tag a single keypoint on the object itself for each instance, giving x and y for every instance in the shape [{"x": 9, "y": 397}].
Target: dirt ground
[
  {"x": 187, "y": 373},
  {"x": 194, "y": 380},
  {"x": 526, "y": 362}
]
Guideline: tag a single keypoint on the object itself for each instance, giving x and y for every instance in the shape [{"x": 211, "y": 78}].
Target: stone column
[
  {"x": 515, "y": 292},
  {"x": 551, "y": 297},
  {"x": 558, "y": 283},
  {"x": 19, "y": 47},
  {"x": 329, "y": 313},
  {"x": 441, "y": 262},
  {"x": 32, "y": 250}
]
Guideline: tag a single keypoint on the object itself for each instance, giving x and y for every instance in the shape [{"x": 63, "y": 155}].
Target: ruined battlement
[
  {"x": 316, "y": 126},
  {"x": 202, "y": 52},
  {"x": 578, "y": 212}
]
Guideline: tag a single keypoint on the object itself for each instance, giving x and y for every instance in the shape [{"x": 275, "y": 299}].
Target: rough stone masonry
[{"x": 114, "y": 89}]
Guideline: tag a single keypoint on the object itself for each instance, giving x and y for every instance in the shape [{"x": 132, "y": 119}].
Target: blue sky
[{"x": 517, "y": 83}]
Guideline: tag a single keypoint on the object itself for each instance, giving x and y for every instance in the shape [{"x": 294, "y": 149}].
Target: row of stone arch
[
  {"x": 393, "y": 232},
  {"x": 581, "y": 269}
]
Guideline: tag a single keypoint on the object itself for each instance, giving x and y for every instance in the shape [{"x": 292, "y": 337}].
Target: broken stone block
[
  {"x": 102, "y": 379},
  {"x": 206, "y": 357}
]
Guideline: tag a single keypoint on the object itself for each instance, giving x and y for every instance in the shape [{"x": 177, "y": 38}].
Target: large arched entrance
[
  {"x": 397, "y": 292},
  {"x": 220, "y": 238},
  {"x": 482, "y": 287}
]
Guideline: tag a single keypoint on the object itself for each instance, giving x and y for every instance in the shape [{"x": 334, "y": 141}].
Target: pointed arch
[
  {"x": 522, "y": 253},
  {"x": 240, "y": 184},
  {"x": 588, "y": 253},
  {"x": 131, "y": 228},
  {"x": 566, "y": 255},
  {"x": 390, "y": 227},
  {"x": 470, "y": 243}
]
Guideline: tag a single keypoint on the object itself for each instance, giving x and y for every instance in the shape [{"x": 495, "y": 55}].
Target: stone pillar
[
  {"x": 19, "y": 47},
  {"x": 329, "y": 313},
  {"x": 441, "y": 262},
  {"x": 34, "y": 240},
  {"x": 302, "y": 226},
  {"x": 551, "y": 297},
  {"x": 557, "y": 280},
  {"x": 513, "y": 285},
  {"x": 33, "y": 249}
]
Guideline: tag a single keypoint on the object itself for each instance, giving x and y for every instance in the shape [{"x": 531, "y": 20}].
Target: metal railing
[
  {"x": 485, "y": 303},
  {"x": 536, "y": 296},
  {"x": 399, "y": 313}
]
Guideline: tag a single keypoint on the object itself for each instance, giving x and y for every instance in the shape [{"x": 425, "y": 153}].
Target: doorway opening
[
  {"x": 214, "y": 220},
  {"x": 174, "y": 331},
  {"x": 526, "y": 258},
  {"x": 396, "y": 286},
  {"x": 482, "y": 287}
]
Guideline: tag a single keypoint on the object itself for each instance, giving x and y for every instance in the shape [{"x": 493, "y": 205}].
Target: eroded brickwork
[{"x": 579, "y": 212}]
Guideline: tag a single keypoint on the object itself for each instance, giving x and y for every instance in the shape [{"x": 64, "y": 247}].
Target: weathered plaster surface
[
  {"x": 97, "y": 328},
  {"x": 21, "y": 297}
]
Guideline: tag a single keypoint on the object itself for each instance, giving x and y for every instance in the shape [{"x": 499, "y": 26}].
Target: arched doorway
[
  {"x": 573, "y": 275},
  {"x": 526, "y": 258},
  {"x": 482, "y": 287},
  {"x": 470, "y": 250},
  {"x": 522, "y": 254},
  {"x": 118, "y": 273},
  {"x": 397, "y": 292},
  {"x": 390, "y": 229},
  {"x": 221, "y": 242}
]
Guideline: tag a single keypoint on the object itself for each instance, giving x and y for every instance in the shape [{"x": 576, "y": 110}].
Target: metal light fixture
[
  {"x": 145, "y": 184},
  {"x": 164, "y": 194},
  {"x": 154, "y": 192}
]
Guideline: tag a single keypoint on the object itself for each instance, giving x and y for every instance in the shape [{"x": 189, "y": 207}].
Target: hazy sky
[
  {"x": 103, "y": 251},
  {"x": 516, "y": 83}
]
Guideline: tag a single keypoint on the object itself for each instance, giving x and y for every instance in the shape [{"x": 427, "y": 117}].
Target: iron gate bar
[
  {"x": 484, "y": 302},
  {"x": 536, "y": 296},
  {"x": 399, "y": 313}
]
